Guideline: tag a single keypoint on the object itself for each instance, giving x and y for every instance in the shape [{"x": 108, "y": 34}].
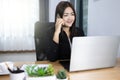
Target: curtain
[
  {"x": 85, "y": 16},
  {"x": 17, "y": 20},
  {"x": 82, "y": 14}
]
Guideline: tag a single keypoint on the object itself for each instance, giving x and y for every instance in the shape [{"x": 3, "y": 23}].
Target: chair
[{"x": 40, "y": 34}]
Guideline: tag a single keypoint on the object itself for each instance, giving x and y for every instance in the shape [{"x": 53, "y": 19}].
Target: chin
[{"x": 68, "y": 25}]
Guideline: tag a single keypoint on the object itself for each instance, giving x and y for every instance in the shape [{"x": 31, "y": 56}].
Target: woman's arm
[
  {"x": 53, "y": 40},
  {"x": 51, "y": 46},
  {"x": 58, "y": 26}
]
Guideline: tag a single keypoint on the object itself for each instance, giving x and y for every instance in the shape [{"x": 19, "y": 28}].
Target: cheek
[
  {"x": 64, "y": 20},
  {"x": 73, "y": 18}
]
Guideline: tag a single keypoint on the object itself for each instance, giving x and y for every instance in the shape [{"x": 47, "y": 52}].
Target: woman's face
[{"x": 68, "y": 17}]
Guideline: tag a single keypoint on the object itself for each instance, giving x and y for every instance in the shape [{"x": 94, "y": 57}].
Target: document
[{"x": 4, "y": 69}]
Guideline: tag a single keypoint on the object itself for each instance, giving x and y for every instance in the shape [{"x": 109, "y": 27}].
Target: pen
[
  {"x": 8, "y": 68},
  {"x": 14, "y": 70}
]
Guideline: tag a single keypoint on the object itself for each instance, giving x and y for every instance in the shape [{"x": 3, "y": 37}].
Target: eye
[
  {"x": 72, "y": 14},
  {"x": 65, "y": 15}
]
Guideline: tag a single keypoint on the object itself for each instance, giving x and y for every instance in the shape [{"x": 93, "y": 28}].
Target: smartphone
[{"x": 58, "y": 16}]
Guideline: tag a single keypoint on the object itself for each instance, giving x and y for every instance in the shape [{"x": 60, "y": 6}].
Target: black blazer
[{"x": 62, "y": 50}]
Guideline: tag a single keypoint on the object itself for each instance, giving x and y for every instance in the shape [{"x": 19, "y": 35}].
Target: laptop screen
[{"x": 92, "y": 52}]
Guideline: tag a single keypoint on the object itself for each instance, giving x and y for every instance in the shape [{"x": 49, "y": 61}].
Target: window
[{"x": 17, "y": 19}]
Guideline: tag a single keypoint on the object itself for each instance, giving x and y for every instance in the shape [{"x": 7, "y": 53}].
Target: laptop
[{"x": 93, "y": 52}]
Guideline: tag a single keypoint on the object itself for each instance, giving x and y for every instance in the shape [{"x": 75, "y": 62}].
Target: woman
[{"x": 59, "y": 43}]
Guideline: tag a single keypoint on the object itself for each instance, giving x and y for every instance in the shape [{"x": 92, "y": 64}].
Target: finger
[
  {"x": 59, "y": 20},
  {"x": 59, "y": 24}
]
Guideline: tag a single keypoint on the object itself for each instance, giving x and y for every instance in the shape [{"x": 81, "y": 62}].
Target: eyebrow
[{"x": 69, "y": 13}]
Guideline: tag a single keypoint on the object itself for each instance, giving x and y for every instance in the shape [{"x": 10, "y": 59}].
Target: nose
[{"x": 70, "y": 16}]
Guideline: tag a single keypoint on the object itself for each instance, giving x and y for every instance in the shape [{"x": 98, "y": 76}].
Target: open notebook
[
  {"x": 92, "y": 52},
  {"x": 3, "y": 67}
]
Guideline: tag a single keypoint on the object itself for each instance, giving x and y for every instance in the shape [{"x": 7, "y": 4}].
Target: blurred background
[{"x": 18, "y": 18}]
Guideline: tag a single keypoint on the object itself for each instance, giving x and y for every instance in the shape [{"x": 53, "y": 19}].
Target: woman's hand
[{"x": 58, "y": 26}]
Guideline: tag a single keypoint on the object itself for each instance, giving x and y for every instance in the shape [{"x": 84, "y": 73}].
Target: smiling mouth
[{"x": 70, "y": 22}]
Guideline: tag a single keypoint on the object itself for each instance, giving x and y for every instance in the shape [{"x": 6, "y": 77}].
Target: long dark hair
[{"x": 60, "y": 10}]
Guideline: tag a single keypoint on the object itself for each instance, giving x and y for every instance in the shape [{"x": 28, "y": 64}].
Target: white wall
[{"x": 104, "y": 17}]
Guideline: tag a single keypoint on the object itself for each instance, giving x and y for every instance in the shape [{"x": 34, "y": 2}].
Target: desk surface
[{"x": 100, "y": 74}]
